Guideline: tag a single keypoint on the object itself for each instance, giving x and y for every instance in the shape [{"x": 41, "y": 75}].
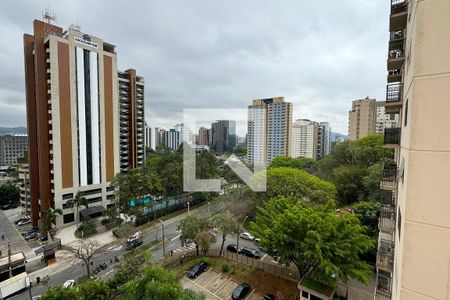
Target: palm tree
[
  {"x": 78, "y": 201},
  {"x": 49, "y": 217}
]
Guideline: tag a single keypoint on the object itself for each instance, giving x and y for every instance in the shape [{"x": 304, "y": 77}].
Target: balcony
[
  {"x": 384, "y": 286},
  {"x": 387, "y": 197},
  {"x": 396, "y": 55},
  {"x": 385, "y": 255},
  {"x": 386, "y": 222},
  {"x": 399, "y": 15},
  {"x": 392, "y": 137},
  {"x": 394, "y": 98},
  {"x": 395, "y": 75},
  {"x": 389, "y": 177}
]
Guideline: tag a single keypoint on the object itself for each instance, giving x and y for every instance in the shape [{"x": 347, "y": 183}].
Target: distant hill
[
  {"x": 12, "y": 130},
  {"x": 335, "y": 135}
]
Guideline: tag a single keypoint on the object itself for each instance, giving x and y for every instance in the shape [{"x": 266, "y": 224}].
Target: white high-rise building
[
  {"x": 323, "y": 140},
  {"x": 304, "y": 138},
  {"x": 384, "y": 120}
]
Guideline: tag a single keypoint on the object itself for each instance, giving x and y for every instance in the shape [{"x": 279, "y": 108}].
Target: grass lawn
[{"x": 259, "y": 280}]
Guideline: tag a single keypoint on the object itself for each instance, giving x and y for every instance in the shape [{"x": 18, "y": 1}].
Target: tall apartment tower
[
  {"x": 12, "y": 147},
  {"x": 131, "y": 115},
  {"x": 304, "y": 139},
  {"x": 362, "y": 119},
  {"x": 414, "y": 240},
  {"x": 268, "y": 129},
  {"x": 149, "y": 137},
  {"x": 384, "y": 120},
  {"x": 73, "y": 117},
  {"x": 223, "y": 135},
  {"x": 323, "y": 140},
  {"x": 203, "y": 138}
]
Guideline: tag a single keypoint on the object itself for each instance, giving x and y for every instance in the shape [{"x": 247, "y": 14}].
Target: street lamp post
[
  {"x": 188, "y": 207},
  {"x": 164, "y": 245},
  {"x": 239, "y": 231}
]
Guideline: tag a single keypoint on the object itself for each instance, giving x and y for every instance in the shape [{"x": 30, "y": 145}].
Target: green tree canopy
[
  {"x": 314, "y": 239},
  {"x": 299, "y": 184},
  {"x": 60, "y": 293},
  {"x": 191, "y": 226},
  {"x": 303, "y": 163},
  {"x": 93, "y": 290},
  {"x": 9, "y": 193},
  {"x": 227, "y": 224},
  {"x": 349, "y": 183}
]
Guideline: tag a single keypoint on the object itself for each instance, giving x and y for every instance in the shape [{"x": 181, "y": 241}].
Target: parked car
[
  {"x": 38, "y": 297},
  {"x": 28, "y": 232},
  {"x": 247, "y": 236},
  {"x": 250, "y": 252},
  {"x": 197, "y": 269},
  {"x": 268, "y": 297},
  {"x": 233, "y": 248},
  {"x": 24, "y": 222},
  {"x": 241, "y": 291},
  {"x": 134, "y": 244},
  {"x": 31, "y": 236},
  {"x": 69, "y": 283},
  {"x": 22, "y": 219}
]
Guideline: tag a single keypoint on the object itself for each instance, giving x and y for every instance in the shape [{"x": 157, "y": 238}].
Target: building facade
[
  {"x": 223, "y": 135},
  {"x": 131, "y": 117},
  {"x": 414, "y": 240},
  {"x": 203, "y": 136},
  {"x": 304, "y": 139},
  {"x": 323, "y": 140},
  {"x": 362, "y": 119},
  {"x": 24, "y": 185},
  {"x": 74, "y": 120},
  {"x": 149, "y": 138},
  {"x": 384, "y": 120},
  {"x": 268, "y": 129},
  {"x": 12, "y": 147}
]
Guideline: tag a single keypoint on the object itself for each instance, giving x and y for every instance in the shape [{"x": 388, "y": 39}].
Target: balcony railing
[
  {"x": 385, "y": 255},
  {"x": 384, "y": 286},
  {"x": 389, "y": 172},
  {"x": 392, "y": 136},
  {"x": 387, "y": 197},
  {"x": 386, "y": 222},
  {"x": 394, "y": 92},
  {"x": 396, "y": 49},
  {"x": 398, "y": 6}
]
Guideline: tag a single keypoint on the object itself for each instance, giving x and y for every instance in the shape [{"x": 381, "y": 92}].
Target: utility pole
[
  {"x": 188, "y": 207},
  {"x": 239, "y": 232},
  {"x": 164, "y": 245}
]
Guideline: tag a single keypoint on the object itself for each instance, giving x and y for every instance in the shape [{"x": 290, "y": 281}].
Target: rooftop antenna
[
  {"x": 48, "y": 16},
  {"x": 76, "y": 27}
]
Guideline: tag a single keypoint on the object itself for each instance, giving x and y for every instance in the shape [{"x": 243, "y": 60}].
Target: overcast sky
[{"x": 320, "y": 55}]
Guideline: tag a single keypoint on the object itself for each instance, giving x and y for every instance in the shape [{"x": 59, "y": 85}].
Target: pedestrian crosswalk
[{"x": 185, "y": 249}]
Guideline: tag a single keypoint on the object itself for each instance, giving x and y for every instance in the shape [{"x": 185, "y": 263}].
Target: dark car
[
  {"x": 31, "y": 236},
  {"x": 197, "y": 269},
  {"x": 250, "y": 252},
  {"x": 134, "y": 244},
  {"x": 241, "y": 291},
  {"x": 233, "y": 248},
  {"x": 268, "y": 297}
]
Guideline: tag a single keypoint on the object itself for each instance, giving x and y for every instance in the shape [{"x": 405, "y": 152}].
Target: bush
[{"x": 226, "y": 267}]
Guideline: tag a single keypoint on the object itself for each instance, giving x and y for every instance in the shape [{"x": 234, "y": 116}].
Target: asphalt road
[{"x": 172, "y": 242}]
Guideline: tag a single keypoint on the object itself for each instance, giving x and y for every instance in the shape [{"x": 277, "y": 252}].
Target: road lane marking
[
  {"x": 107, "y": 273},
  {"x": 175, "y": 238},
  {"x": 248, "y": 297},
  {"x": 202, "y": 274},
  {"x": 212, "y": 279},
  {"x": 264, "y": 256},
  {"x": 201, "y": 287}
]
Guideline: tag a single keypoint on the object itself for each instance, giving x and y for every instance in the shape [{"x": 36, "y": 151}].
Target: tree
[
  {"x": 84, "y": 251},
  {"x": 204, "y": 239},
  {"x": 315, "y": 240},
  {"x": 349, "y": 183},
  {"x": 302, "y": 163},
  {"x": 370, "y": 150},
  {"x": 191, "y": 226},
  {"x": 9, "y": 193},
  {"x": 49, "y": 217},
  {"x": 368, "y": 213},
  {"x": 60, "y": 293},
  {"x": 78, "y": 201},
  {"x": 156, "y": 284},
  {"x": 227, "y": 224},
  {"x": 371, "y": 182},
  {"x": 299, "y": 184},
  {"x": 93, "y": 290}
]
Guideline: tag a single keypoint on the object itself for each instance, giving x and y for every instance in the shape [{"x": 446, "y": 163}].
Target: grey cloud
[{"x": 202, "y": 53}]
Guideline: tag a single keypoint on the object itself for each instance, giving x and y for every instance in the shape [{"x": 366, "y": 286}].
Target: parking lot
[{"x": 215, "y": 285}]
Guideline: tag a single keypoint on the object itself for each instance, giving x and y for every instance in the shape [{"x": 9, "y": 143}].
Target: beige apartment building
[
  {"x": 413, "y": 261},
  {"x": 362, "y": 119}
]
